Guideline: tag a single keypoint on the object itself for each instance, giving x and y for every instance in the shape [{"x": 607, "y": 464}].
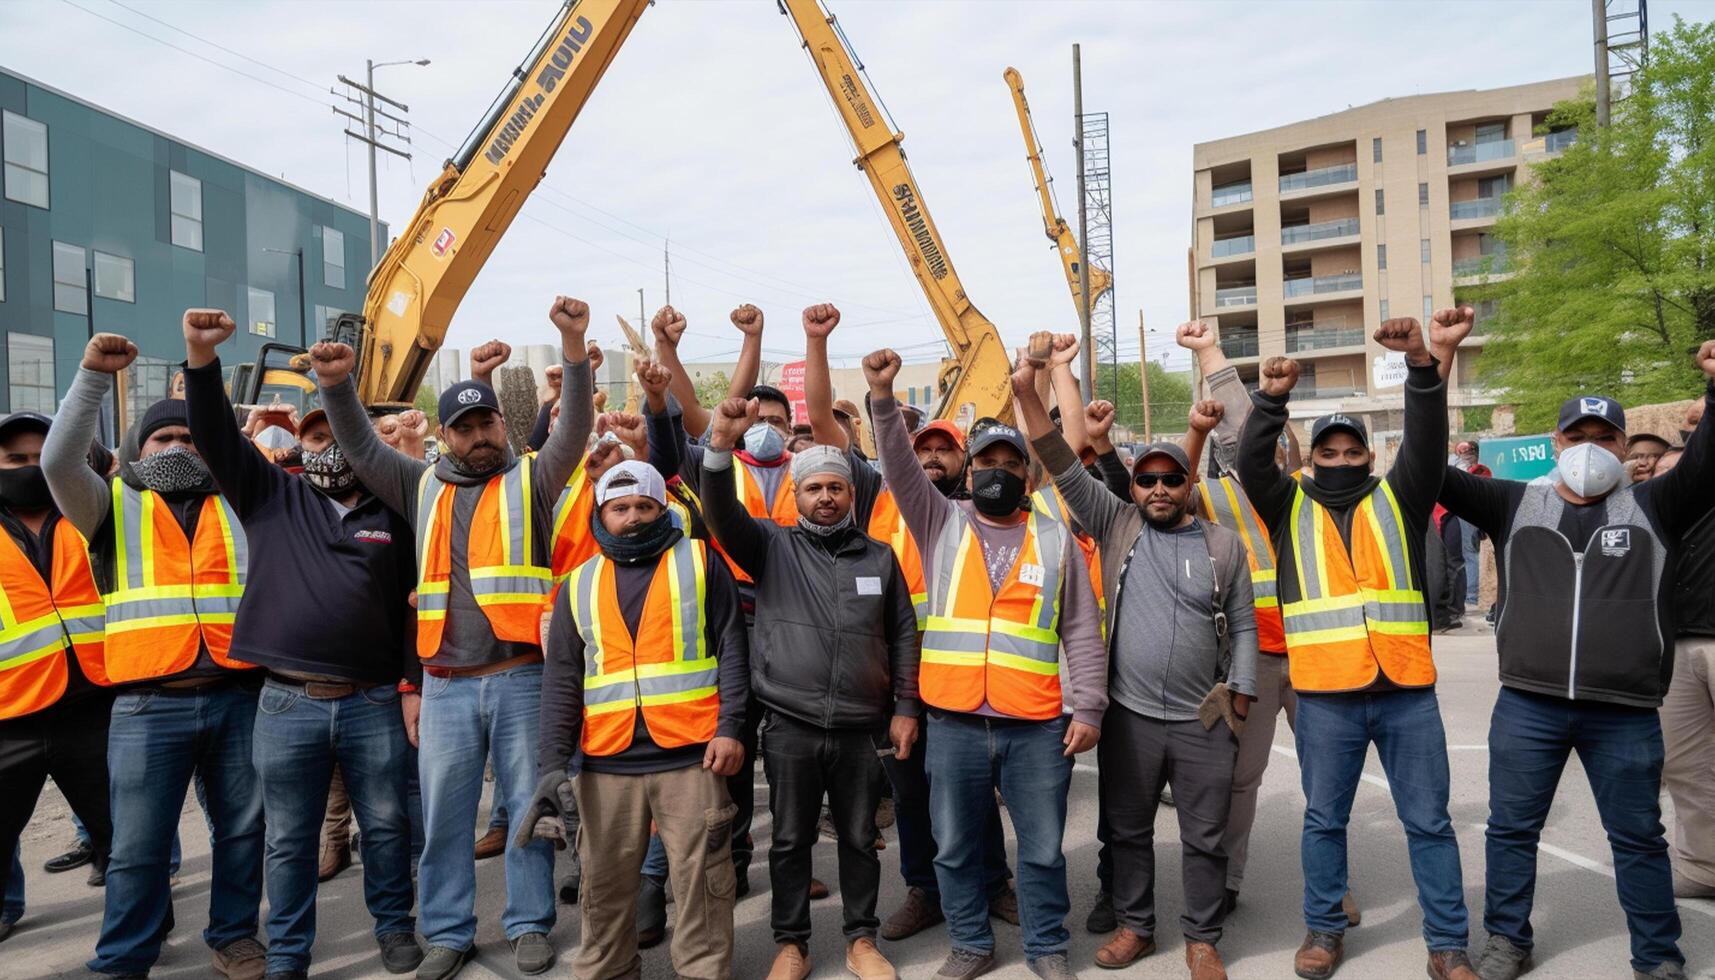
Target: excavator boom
[{"x": 976, "y": 385}]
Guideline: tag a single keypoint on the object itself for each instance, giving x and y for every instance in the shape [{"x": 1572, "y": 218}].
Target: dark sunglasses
[{"x": 1149, "y": 480}]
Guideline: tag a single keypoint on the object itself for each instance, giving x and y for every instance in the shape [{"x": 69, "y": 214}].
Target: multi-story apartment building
[{"x": 1306, "y": 236}]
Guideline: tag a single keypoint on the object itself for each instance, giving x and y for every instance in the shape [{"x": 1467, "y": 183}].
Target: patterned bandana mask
[
  {"x": 174, "y": 470},
  {"x": 329, "y": 471}
]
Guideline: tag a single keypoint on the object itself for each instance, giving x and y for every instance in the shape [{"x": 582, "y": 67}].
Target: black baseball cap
[
  {"x": 1339, "y": 422},
  {"x": 463, "y": 397},
  {"x": 1583, "y": 407},
  {"x": 1171, "y": 450},
  {"x": 999, "y": 432},
  {"x": 24, "y": 421}
]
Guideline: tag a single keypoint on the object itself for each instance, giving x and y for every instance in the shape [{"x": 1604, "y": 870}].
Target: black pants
[
  {"x": 804, "y": 763},
  {"x": 1138, "y": 755},
  {"x": 741, "y": 786},
  {"x": 1444, "y": 563},
  {"x": 67, "y": 741}
]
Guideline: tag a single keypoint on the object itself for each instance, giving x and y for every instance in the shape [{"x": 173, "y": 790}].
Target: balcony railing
[
  {"x": 1242, "y": 245},
  {"x": 1343, "y": 173},
  {"x": 1227, "y": 194},
  {"x": 1323, "y": 284},
  {"x": 1235, "y": 296},
  {"x": 1239, "y": 343},
  {"x": 1557, "y": 141},
  {"x": 1322, "y": 338},
  {"x": 1325, "y": 391},
  {"x": 1482, "y": 207},
  {"x": 1480, "y": 152},
  {"x": 1338, "y": 228},
  {"x": 1481, "y": 265}
]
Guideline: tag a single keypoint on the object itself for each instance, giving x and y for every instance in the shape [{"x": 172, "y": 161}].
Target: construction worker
[
  {"x": 1350, "y": 575},
  {"x": 482, "y": 518},
  {"x": 1008, "y": 588},
  {"x": 54, "y": 698},
  {"x": 342, "y": 681},
  {"x": 834, "y": 669},
  {"x": 1590, "y": 561},
  {"x": 171, "y": 559}
]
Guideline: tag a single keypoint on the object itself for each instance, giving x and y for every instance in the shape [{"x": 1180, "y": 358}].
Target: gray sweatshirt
[{"x": 468, "y": 640}]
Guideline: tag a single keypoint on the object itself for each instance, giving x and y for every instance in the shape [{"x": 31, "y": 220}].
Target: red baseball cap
[{"x": 944, "y": 427}]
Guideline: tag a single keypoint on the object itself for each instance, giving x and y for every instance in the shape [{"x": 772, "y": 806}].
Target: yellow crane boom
[
  {"x": 976, "y": 384},
  {"x": 425, "y": 273},
  {"x": 1060, "y": 233}
]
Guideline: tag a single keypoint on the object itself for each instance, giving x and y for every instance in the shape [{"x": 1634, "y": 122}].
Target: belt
[
  {"x": 189, "y": 685},
  {"x": 522, "y": 660},
  {"x": 320, "y": 690}
]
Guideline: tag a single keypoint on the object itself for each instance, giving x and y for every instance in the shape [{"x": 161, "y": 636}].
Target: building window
[
  {"x": 1423, "y": 250},
  {"x": 333, "y": 258},
  {"x": 261, "y": 312},
  {"x": 2, "y": 265},
  {"x": 325, "y": 316},
  {"x": 26, "y": 156},
  {"x": 115, "y": 278},
  {"x": 1381, "y": 257},
  {"x": 71, "y": 285},
  {"x": 1384, "y": 310},
  {"x": 1491, "y": 132},
  {"x": 1428, "y": 308},
  {"x": 187, "y": 210},
  {"x": 1488, "y": 187},
  {"x": 1376, "y": 149},
  {"x": 1422, "y": 195},
  {"x": 30, "y": 372},
  {"x": 1381, "y": 202},
  {"x": 146, "y": 382},
  {"x": 1422, "y": 142}
]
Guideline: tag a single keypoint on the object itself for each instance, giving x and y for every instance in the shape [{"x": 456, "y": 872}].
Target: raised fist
[
  {"x": 654, "y": 378},
  {"x": 1449, "y": 328},
  {"x": 1024, "y": 376},
  {"x": 207, "y": 329},
  {"x": 1279, "y": 375},
  {"x": 731, "y": 418},
  {"x": 879, "y": 369},
  {"x": 571, "y": 316},
  {"x": 592, "y": 350},
  {"x": 555, "y": 375},
  {"x": 1194, "y": 336},
  {"x": 332, "y": 361},
  {"x": 1207, "y": 414},
  {"x": 1039, "y": 349},
  {"x": 413, "y": 425},
  {"x": 747, "y": 318},
  {"x": 1403, "y": 334},
  {"x": 631, "y": 430},
  {"x": 109, "y": 353},
  {"x": 669, "y": 325},
  {"x": 485, "y": 358},
  {"x": 1065, "y": 349},
  {"x": 1706, "y": 358},
  {"x": 387, "y": 427},
  {"x": 820, "y": 320},
  {"x": 1099, "y": 418}
]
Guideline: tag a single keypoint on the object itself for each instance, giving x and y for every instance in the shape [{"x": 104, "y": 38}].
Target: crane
[
  {"x": 1058, "y": 231},
  {"x": 976, "y": 383}
]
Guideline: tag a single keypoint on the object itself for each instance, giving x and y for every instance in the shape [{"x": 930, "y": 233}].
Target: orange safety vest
[
  {"x": 1224, "y": 503},
  {"x": 171, "y": 595},
  {"x": 887, "y": 524},
  {"x": 665, "y": 671},
  {"x": 574, "y": 544},
  {"x": 782, "y": 510},
  {"x": 1000, "y": 648},
  {"x": 1350, "y": 614},
  {"x": 39, "y": 621},
  {"x": 502, "y": 553},
  {"x": 1051, "y": 501}
]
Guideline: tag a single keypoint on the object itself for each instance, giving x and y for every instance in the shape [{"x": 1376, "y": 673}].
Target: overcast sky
[{"x": 713, "y": 129}]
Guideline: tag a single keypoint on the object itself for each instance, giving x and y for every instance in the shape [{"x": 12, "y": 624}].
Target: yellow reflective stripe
[
  {"x": 1265, "y": 602},
  {"x": 146, "y": 524},
  {"x": 1398, "y": 629},
  {"x": 953, "y": 658},
  {"x": 1015, "y": 662},
  {"x": 1034, "y": 634},
  {"x": 33, "y": 656},
  {"x": 954, "y": 624},
  {"x": 508, "y": 598},
  {"x": 1299, "y": 502},
  {"x": 1332, "y": 603},
  {"x": 1367, "y": 509},
  {"x": 609, "y": 707},
  {"x": 189, "y": 619},
  {"x": 677, "y": 697},
  {"x": 513, "y": 571},
  {"x": 574, "y": 488},
  {"x": 673, "y": 667},
  {"x": 1337, "y": 635}
]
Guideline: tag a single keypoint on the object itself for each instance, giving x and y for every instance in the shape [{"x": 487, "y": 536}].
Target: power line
[{"x": 237, "y": 54}]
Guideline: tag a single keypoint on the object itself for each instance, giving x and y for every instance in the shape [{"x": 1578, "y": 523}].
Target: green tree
[
  {"x": 1611, "y": 245},
  {"x": 712, "y": 389},
  {"x": 1169, "y": 396},
  {"x": 428, "y": 403}
]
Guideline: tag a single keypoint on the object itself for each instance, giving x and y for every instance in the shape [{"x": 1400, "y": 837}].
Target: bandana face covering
[
  {"x": 1337, "y": 478},
  {"x": 825, "y": 530},
  {"x": 174, "y": 470},
  {"x": 329, "y": 471},
  {"x": 641, "y": 545}
]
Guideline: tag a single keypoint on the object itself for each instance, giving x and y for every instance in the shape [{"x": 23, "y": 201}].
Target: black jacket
[
  {"x": 836, "y": 636},
  {"x": 1694, "y": 591}
]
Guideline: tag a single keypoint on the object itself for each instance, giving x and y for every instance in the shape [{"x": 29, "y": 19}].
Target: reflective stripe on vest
[
  {"x": 1051, "y": 501},
  {"x": 574, "y": 544},
  {"x": 887, "y": 524},
  {"x": 980, "y": 647},
  {"x": 665, "y": 671},
  {"x": 40, "y": 620},
  {"x": 172, "y": 595},
  {"x": 782, "y": 510},
  {"x": 1357, "y": 611},
  {"x": 509, "y": 577},
  {"x": 1224, "y": 503}
]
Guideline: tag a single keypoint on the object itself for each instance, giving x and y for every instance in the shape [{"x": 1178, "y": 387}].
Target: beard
[
  {"x": 1170, "y": 519},
  {"x": 482, "y": 458}
]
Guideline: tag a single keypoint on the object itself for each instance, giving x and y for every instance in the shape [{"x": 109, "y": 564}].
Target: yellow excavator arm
[
  {"x": 976, "y": 383},
  {"x": 470, "y": 204},
  {"x": 1058, "y": 231}
]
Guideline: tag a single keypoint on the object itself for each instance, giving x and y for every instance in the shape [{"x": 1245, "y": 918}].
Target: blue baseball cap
[
  {"x": 465, "y": 396},
  {"x": 1582, "y": 407}
]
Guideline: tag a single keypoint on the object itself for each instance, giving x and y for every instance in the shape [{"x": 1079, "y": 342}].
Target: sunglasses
[{"x": 1149, "y": 480}]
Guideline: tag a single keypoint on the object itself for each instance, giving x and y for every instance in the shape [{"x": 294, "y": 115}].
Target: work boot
[
  {"x": 1124, "y": 948},
  {"x": 1054, "y": 966},
  {"x": 443, "y": 962},
  {"x": 651, "y": 912},
  {"x": 791, "y": 963},
  {"x": 1684, "y": 887},
  {"x": 964, "y": 964},
  {"x": 920, "y": 910},
  {"x": 1663, "y": 971},
  {"x": 1501, "y": 960},
  {"x": 1003, "y": 904},
  {"x": 1319, "y": 955},
  {"x": 491, "y": 844},
  {"x": 81, "y": 854},
  {"x": 97, "y": 873},
  {"x": 1349, "y": 905},
  {"x": 6, "y": 930},
  {"x": 533, "y": 952},
  {"x": 865, "y": 962},
  {"x": 335, "y": 858},
  {"x": 1450, "y": 964},
  {"x": 242, "y": 959},
  {"x": 818, "y": 889},
  {"x": 1101, "y": 918},
  {"x": 399, "y": 952},
  {"x": 884, "y": 813},
  {"x": 1203, "y": 962}
]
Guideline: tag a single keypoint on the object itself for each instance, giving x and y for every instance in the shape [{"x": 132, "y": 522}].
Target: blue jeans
[
  {"x": 1620, "y": 748},
  {"x": 916, "y": 833},
  {"x": 298, "y": 741},
  {"x": 968, "y": 757},
  {"x": 1334, "y": 732},
  {"x": 12, "y": 907},
  {"x": 465, "y": 721},
  {"x": 655, "y": 859},
  {"x": 157, "y": 742},
  {"x": 1472, "y": 544}
]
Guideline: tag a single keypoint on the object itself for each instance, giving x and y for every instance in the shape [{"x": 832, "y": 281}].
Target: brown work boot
[
  {"x": 491, "y": 844},
  {"x": 1450, "y": 964},
  {"x": 919, "y": 911},
  {"x": 1123, "y": 949},
  {"x": 791, "y": 963},
  {"x": 1349, "y": 905},
  {"x": 817, "y": 889},
  {"x": 335, "y": 858},
  {"x": 1319, "y": 956},
  {"x": 243, "y": 959},
  {"x": 865, "y": 962},
  {"x": 1203, "y": 962}
]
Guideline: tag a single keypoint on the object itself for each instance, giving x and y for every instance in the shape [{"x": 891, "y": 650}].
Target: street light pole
[
  {"x": 374, "y": 206},
  {"x": 372, "y": 136}
]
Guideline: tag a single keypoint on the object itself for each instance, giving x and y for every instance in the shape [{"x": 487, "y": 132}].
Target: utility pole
[
  {"x": 642, "y": 318},
  {"x": 667, "y": 270},
  {"x": 1087, "y": 384},
  {"x": 1599, "y": 24},
  {"x": 373, "y": 135},
  {"x": 1143, "y": 374}
]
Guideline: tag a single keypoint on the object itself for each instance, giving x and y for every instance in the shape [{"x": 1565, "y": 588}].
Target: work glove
[{"x": 552, "y": 814}]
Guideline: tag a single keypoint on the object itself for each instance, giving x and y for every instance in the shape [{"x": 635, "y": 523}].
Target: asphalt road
[{"x": 1579, "y": 928}]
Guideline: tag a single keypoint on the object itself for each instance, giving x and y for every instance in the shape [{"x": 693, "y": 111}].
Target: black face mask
[
  {"x": 949, "y": 485},
  {"x": 25, "y": 488},
  {"x": 643, "y": 544},
  {"x": 997, "y": 492},
  {"x": 1337, "y": 478}
]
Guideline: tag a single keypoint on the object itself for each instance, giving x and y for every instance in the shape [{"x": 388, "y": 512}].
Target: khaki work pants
[
  {"x": 693, "y": 814},
  {"x": 1256, "y": 744},
  {"x": 1688, "y": 731}
]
